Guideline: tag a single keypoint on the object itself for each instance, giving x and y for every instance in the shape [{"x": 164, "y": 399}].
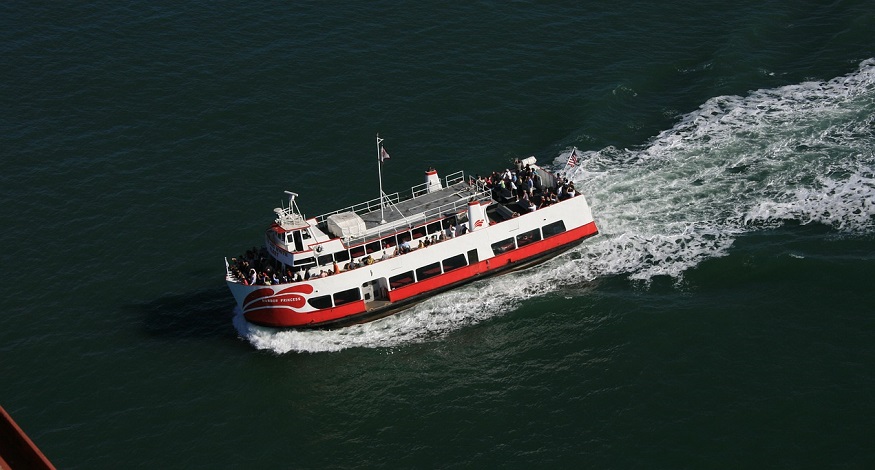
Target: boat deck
[{"x": 427, "y": 206}]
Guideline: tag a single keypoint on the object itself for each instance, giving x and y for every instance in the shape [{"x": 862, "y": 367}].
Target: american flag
[
  {"x": 384, "y": 155},
  {"x": 572, "y": 160}
]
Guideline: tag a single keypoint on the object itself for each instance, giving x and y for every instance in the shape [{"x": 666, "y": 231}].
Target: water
[{"x": 722, "y": 317}]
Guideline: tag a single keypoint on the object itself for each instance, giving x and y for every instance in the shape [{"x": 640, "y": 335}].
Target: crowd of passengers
[
  {"x": 256, "y": 267},
  {"x": 522, "y": 183}
]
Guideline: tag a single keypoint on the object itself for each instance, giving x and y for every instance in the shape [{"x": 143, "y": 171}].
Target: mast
[{"x": 380, "y": 175}]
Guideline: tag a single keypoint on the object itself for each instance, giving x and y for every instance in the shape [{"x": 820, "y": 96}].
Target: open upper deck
[{"x": 416, "y": 207}]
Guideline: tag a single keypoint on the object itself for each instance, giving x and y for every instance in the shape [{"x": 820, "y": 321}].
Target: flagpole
[{"x": 380, "y": 175}]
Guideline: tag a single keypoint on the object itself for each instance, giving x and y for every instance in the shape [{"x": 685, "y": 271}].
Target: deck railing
[
  {"x": 385, "y": 229},
  {"x": 477, "y": 192},
  {"x": 394, "y": 198}
]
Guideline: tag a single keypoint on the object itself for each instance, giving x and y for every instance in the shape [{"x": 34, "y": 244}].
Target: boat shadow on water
[{"x": 199, "y": 314}]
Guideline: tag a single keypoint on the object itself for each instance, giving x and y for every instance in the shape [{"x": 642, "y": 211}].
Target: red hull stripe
[
  {"x": 497, "y": 262},
  {"x": 286, "y": 317},
  {"x": 266, "y": 311}
]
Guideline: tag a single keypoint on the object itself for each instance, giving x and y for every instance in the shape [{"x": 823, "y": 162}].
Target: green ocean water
[{"x": 722, "y": 318}]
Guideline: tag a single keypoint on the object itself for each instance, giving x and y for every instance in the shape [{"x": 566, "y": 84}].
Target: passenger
[
  {"x": 336, "y": 268},
  {"x": 421, "y": 244},
  {"x": 386, "y": 254},
  {"x": 570, "y": 190},
  {"x": 253, "y": 276}
]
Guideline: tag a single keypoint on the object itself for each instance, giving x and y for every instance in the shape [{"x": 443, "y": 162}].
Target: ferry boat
[{"x": 381, "y": 256}]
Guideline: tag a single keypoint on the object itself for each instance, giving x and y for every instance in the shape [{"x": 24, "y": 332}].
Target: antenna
[
  {"x": 380, "y": 175},
  {"x": 294, "y": 214}
]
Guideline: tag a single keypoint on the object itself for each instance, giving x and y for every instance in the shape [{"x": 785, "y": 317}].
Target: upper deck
[{"x": 416, "y": 207}]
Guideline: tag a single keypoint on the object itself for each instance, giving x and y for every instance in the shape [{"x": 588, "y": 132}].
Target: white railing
[
  {"x": 454, "y": 178},
  {"x": 394, "y": 198},
  {"x": 483, "y": 196}
]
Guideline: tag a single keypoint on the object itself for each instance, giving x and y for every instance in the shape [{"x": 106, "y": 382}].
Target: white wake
[{"x": 803, "y": 153}]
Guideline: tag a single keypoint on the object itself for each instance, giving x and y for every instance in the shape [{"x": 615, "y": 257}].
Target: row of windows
[
  {"x": 423, "y": 231},
  {"x": 432, "y": 270},
  {"x": 447, "y": 265},
  {"x": 340, "y": 298},
  {"x": 526, "y": 238}
]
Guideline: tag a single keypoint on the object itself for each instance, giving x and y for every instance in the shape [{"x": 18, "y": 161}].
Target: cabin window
[
  {"x": 325, "y": 260},
  {"x": 531, "y": 236},
  {"x": 341, "y": 256},
  {"x": 305, "y": 234},
  {"x": 401, "y": 280},
  {"x": 455, "y": 262},
  {"x": 434, "y": 228},
  {"x": 357, "y": 251},
  {"x": 472, "y": 257},
  {"x": 502, "y": 246},
  {"x": 402, "y": 237},
  {"x": 554, "y": 229},
  {"x": 323, "y": 301},
  {"x": 347, "y": 296},
  {"x": 419, "y": 232},
  {"x": 373, "y": 247},
  {"x": 304, "y": 262},
  {"x": 428, "y": 271}
]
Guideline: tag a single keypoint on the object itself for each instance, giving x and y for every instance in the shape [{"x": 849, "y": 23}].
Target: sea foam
[{"x": 802, "y": 153}]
